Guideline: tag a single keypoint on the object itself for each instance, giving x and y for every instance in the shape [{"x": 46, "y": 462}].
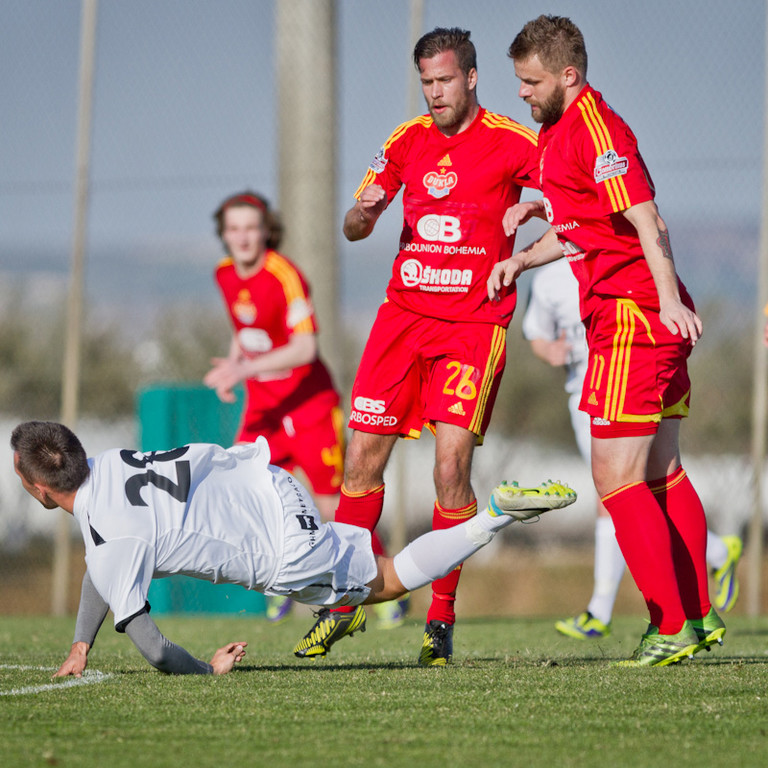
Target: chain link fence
[{"x": 185, "y": 105}]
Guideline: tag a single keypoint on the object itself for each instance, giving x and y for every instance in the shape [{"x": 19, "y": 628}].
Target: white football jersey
[
  {"x": 553, "y": 307},
  {"x": 199, "y": 510}
]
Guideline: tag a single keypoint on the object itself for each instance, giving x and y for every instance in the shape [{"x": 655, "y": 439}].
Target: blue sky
[{"x": 185, "y": 107}]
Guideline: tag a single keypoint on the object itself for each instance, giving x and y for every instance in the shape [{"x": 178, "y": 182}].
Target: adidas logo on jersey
[
  {"x": 458, "y": 409},
  {"x": 445, "y": 161}
]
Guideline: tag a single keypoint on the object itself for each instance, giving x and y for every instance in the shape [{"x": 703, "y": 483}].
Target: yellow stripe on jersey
[
  {"x": 225, "y": 262},
  {"x": 615, "y": 186},
  {"x": 424, "y": 120},
  {"x": 627, "y": 315},
  {"x": 492, "y": 120},
  {"x": 498, "y": 344},
  {"x": 286, "y": 275}
]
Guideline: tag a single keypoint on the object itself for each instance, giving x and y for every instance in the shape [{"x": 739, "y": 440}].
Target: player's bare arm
[
  {"x": 657, "y": 249},
  {"x": 542, "y": 251},
  {"x": 226, "y": 373},
  {"x": 361, "y": 218},
  {"x": 520, "y": 213}
]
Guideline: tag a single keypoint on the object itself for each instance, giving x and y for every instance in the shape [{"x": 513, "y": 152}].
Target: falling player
[{"x": 227, "y": 516}]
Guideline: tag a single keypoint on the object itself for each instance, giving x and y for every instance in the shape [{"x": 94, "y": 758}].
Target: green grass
[{"x": 516, "y": 695}]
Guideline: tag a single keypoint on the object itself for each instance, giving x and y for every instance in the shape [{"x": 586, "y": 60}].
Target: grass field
[{"x": 516, "y": 695}]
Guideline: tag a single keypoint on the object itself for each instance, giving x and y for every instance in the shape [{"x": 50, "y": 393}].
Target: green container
[{"x": 170, "y": 415}]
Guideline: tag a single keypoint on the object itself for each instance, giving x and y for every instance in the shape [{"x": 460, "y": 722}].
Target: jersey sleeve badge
[
  {"x": 379, "y": 162},
  {"x": 298, "y": 311},
  {"x": 609, "y": 164}
]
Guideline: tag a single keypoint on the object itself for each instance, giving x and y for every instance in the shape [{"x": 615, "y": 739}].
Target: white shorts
[{"x": 325, "y": 564}]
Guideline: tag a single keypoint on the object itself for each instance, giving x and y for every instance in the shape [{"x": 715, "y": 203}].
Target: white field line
[{"x": 89, "y": 676}]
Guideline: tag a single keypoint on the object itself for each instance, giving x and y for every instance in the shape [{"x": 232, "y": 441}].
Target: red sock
[
  {"x": 688, "y": 528},
  {"x": 361, "y": 508},
  {"x": 643, "y": 535},
  {"x": 444, "y": 590},
  {"x": 364, "y": 510}
]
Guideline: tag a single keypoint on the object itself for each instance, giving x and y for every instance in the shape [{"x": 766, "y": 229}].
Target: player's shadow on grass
[{"x": 371, "y": 666}]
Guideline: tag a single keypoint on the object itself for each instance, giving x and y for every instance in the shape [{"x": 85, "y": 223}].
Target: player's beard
[
  {"x": 550, "y": 110},
  {"x": 454, "y": 116}
]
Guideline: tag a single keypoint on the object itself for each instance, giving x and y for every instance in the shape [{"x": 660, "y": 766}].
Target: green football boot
[
  {"x": 710, "y": 629},
  {"x": 657, "y": 650},
  {"x": 524, "y": 503}
]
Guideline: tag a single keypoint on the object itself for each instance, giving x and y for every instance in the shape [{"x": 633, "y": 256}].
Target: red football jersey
[
  {"x": 456, "y": 189},
  {"x": 591, "y": 171},
  {"x": 266, "y": 309}
]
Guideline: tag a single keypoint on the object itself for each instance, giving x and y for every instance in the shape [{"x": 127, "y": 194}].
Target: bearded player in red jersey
[
  {"x": 436, "y": 351},
  {"x": 641, "y": 326},
  {"x": 290, "y": 398}
]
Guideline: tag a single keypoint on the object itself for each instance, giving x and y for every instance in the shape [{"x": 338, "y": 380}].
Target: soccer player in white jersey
[
  {"x": 228, "y": 516},
  {"x": 552, "y": 323}
]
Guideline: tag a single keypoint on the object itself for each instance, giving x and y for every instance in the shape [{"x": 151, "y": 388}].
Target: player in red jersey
[
  {"x": 436, "y": 352},
  {"x": 641, "y": 326},
  {"x": 290, "y": 398}
]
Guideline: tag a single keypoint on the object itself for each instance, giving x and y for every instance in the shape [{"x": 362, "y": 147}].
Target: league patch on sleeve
[
  {"x": 609, "y": 165},
  {"x": 298, "y": 310},
  {"x": 379, "y": 163}
]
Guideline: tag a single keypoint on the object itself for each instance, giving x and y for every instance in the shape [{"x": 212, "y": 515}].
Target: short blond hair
[{"x": 556, "y": 40}]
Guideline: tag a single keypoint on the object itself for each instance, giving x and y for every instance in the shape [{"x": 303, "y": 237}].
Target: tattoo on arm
[{"x": 663, "y": 242}]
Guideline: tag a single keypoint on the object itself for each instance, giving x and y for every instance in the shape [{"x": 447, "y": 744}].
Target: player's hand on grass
[
  {"x": 76, "y": 662},
  {"x": 226, "y": 657}
]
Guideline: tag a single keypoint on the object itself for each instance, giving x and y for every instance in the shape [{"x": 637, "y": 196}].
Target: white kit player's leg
[{"x": 438, "y": 552}]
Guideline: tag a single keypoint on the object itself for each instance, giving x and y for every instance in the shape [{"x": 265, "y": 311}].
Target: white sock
[
  {"x": 717, "y": 552},
  {"x": 437, "y": 553},
  {"x": 609, "y": 569}
]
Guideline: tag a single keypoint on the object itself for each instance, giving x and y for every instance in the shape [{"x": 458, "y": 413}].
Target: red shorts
[
  {"x": 418, "y": 370},
  {"x": 309, "y": 437},
  {"x": 637, "y": 370}
]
